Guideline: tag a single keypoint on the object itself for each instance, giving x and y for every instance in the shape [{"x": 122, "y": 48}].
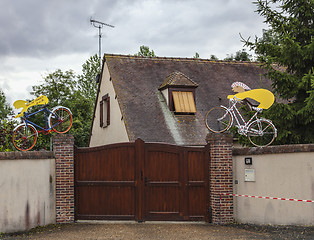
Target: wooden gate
[{"x": 142, "y": 181}]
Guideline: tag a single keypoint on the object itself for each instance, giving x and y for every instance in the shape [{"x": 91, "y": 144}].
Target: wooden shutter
[
  {"x": 101, "y": 114},
  {"x": 105, "y": 111},
  {"x": 184, "y": 102}
]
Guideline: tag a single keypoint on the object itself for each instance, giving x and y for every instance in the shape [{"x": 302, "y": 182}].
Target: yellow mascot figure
[
  {"x": 264, "y": 97},
  {"x": 25, "y": 105}
]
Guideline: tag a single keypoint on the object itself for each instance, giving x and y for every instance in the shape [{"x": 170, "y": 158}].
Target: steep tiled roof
[{"x": 137, "y": 80}]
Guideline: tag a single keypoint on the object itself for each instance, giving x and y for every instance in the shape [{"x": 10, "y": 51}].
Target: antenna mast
[{"x": 99, "y": 25}]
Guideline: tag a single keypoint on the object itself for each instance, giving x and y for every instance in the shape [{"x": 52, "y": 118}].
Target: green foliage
[
  {"x": 6, "y": 126},
  {"x": 77, "y": 92},
  {"x": 5, "y": 109},
  {"x": 240, "y": 55},
  {"x": 213, "y": 57},
  {"x": 6, "y": 130},
  {"x": 286, "y": 51},
  {"x": 145, "y": 52},
  {"x": 86, "y": 81},
  {"x": 83, "y": 101},
  {"x": 57, "y": 87},
  {"x": 82, "y": 108},
  {"x": 196, "y": 55}
]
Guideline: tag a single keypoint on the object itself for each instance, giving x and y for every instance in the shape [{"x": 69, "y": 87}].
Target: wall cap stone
[
  {"x": 219, "y": 137},
  {"x": 295, "y": 148},
  {"x": 27, "y": 155}
]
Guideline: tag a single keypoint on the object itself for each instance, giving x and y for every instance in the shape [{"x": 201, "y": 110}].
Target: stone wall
[
  {"x": 27, "y": 196},
  {"x": 37, "y": 188},
  {"x": 276, "y": 171}
]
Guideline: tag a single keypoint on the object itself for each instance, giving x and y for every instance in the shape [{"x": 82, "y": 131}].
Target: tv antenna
[{"x": 99, "y": 25}]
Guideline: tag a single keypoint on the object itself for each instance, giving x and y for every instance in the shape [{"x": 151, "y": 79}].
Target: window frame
[
  {"x": 105, "y": 116},
  {"x": 177, "y": 89}
]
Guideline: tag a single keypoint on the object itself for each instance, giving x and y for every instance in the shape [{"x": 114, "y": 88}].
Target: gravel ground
[{"x": 156, "y": 231}]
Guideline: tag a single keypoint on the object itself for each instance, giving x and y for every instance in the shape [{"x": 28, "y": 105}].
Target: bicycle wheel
[
  {"x": 60, "y": 120},
  {"x": 261, "y": 133},
  {"x": 218, "y": 119},
  {"x": 24, "y": 137}
]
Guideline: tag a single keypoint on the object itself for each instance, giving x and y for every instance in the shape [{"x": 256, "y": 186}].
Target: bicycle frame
[
  {"x": 233, "y": 110},
  {"x": 43, "y": 129}
]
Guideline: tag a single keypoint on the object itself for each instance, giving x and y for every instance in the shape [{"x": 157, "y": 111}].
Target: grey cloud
[
  {"x": 49, "y": 28},
  {"x": 177, "y": 28},
  {"x": 46, "y": 28}
]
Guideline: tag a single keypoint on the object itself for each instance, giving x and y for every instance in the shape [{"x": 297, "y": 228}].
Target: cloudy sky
[{"x": 40, "y": 36}]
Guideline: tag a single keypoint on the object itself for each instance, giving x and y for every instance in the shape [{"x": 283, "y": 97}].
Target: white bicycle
[{"x": 261, "y": 132}]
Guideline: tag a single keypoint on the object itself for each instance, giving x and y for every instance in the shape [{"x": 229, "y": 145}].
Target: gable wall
[
  {"x": 165, "y": 94},
  {"x": 116, "y": 131}
]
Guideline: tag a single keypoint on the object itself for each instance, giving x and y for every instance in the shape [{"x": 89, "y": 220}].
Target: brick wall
[
  {"x": 63, "y": 145},
  {"x": 221, "y": 180}
]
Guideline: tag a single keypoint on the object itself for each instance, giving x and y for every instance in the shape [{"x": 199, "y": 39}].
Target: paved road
[{"x": 157, "y": 231}]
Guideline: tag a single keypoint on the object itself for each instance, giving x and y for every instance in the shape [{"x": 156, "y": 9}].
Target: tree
[
  {"x": 83, "y": 101},
  {"x": 213, "y": 57},
  {"x": 77, "y": 92},
  {"x": 196, "y": 55},
  {"x": 286, "y": 51},
  {"x": 6, "y": 130},
  {"x": 6, "y": 126},
  {"x": 86, "y": 81},
  {"x": 5, "y": 108},
  {"x": 57, "y": 87},
  {"x": 240, "y": 55},
  {"x": 230, "y": 57},
  {"x": 145, "y": 52}
]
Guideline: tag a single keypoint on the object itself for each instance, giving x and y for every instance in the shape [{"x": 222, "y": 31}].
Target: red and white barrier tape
[{"x": 274, "y": 198}]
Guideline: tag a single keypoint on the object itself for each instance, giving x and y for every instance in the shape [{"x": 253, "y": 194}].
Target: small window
[
  {"x": 105, "y": 111},
  {"x": 183, "y": 102}
]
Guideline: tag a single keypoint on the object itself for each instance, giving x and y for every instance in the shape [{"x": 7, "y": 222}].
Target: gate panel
[
  {"x": 163, "y": 183},
  {"x": 142, "y": 181},
  {"x": 105, "y": 183},
  {"x": 197, "y": 179}
]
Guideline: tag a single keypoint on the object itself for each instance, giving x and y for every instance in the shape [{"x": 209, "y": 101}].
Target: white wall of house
[
  {"x": 27, "y": 193},
  {"x": 116, "y": 131},
  {"x": 165, "y": 93},
  {"x": 286, "y": 175}
]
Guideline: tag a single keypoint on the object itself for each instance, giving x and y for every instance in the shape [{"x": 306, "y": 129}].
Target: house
[{"x": 164, "y": 99}]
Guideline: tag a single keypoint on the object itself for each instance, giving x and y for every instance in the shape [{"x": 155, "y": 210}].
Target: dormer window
[{"x": 179, "y": 92}]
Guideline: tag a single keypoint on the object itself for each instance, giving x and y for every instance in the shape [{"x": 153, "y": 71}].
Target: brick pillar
[
  {"x": 221, "y": 180},
  {"x": 63, "y": 145}
]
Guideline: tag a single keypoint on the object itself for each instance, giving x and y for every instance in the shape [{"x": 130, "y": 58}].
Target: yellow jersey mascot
[
  {"x": 263, "y": 96},
  {"x": 25, "y": 105}
]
